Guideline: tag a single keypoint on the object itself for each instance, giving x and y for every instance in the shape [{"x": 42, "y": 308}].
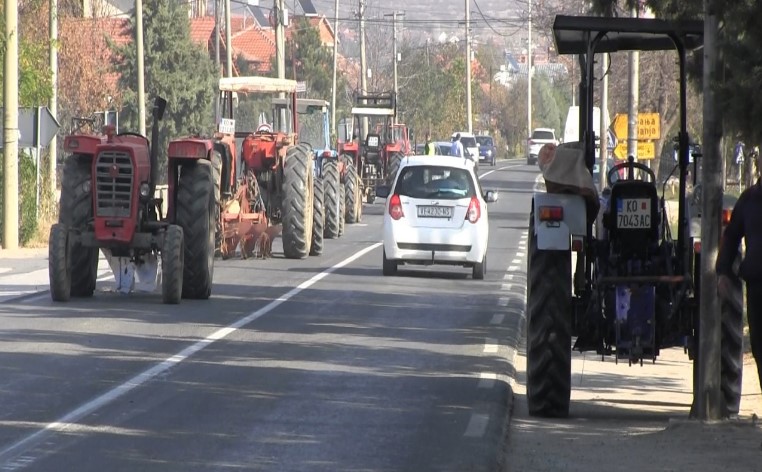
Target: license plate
[
  {"x": 633, "y": 213},
  {"x": 434, "y": 212}
]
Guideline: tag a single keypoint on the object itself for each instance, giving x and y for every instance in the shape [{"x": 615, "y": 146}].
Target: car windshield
[
  {"x": 484, "y": 140},
  {"x": 444, "y": 149},
  {"x": 537, "y": 134},
  {"x": 468, "y": 142},
  {"x": 444, "y": 183}
]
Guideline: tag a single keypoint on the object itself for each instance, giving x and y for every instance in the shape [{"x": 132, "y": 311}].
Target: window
[
  {"x": 444, "y": 183},
  {"x": 484, "y": 141},
  {"x": 538, "y": 134},
  {"x": 468, "y": 142}
]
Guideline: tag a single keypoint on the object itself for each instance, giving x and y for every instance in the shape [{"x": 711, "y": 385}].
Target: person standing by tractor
[
  {"x": 429, "y": 149},
  {"x": 745, "y": 224},
  {"x": 456, "y": 149}
]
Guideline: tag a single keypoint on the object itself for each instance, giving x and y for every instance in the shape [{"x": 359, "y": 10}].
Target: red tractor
[
  {"x": 274, "y": 190},
  {"x": 377, "y": 155},
  {"x": 107, "y": 202}
]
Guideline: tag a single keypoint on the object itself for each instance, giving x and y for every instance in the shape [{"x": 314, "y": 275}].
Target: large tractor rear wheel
[
  {"x": 318, "y": 218},
  {"x": 172, "y": 262},
  {"x": 76, "y": 209},
  {"x": 731, "y": 357},
  {"x": 548, "y": 330},
  {"x": 331, "y": 185},
  {"x": 353, "y": 193},
  {"x": 297, "y": 203},
  {"x": 342, "y": 209},
  {"x": 395, "y": 160},
  {"x": 216, "y": 159},
  {"x": 196, "y": 214},
  {"x": 59, "y": 269}
]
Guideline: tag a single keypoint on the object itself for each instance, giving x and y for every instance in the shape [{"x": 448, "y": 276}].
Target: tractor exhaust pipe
[{"x": 159, "y": 105}]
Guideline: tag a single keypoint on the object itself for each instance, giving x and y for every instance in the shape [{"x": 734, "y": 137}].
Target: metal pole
[
  {"x": 141, "y": 67},
  {"x": 228, "y": 42},
  {"x": 11, "y": 131},
  {"x": 603, "y": 120},
  {"x": 396, "y": 84},
  {"x": 632, "y": 117},
  {"x": 469, "y": 112},
  {"x": 707, "y": 395},
  {"x": 280, "y": 54},
  {"x": 529, "y": 72},
  {"x": 334, "y": 132},
  {"x": 363, "y": 67},
  {"x": 217, "y": 111},
  {"x": 53, "y": 103}
]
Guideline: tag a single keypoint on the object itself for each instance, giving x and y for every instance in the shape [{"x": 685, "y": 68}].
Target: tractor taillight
[
  {"x": 726, "y": 214},
  {"x": 395, "y": 207},
  {"x": 474, "y": 210},
  {"x": 697, "y": 246},
  {"x": 551, "y": 213}
]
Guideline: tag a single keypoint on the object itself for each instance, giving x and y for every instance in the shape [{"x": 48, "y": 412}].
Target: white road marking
[
  {"x": 499, "y": 168},
  {"x": 68, "y": 422},
  {"x": 516, "y": 261},
  {"x": 508, "y": 277},
  {"x": 497, "y": 319},
  {"x": 503, "y": 301},
  {"x": 477, "y": 425},
  {"x": 520, "y": 254},
  {"x": 3, "y": 270},
  {"x": 512, "y": 268},
  {"x": 486, "y": 380},
  {"x": 490, "y": 346},
  {"x": 506, "y": 286}
]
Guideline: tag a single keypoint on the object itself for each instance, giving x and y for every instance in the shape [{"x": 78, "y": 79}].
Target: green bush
[{"x": 27, "y": 198}]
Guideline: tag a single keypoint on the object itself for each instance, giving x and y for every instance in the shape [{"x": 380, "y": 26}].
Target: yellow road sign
[
  {"x": 646, "y": 150},
  {"x": 649, "y": 126}
]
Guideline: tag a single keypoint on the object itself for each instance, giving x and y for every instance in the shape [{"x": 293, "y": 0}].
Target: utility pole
[
  {"x": 707, "y": 396},
  {"x": 11, "y": 132},
  {"x": 280, "y": 53},
  {"x": 53, "y": 103},
  {"x": 228, "y": 42},
  {"x": 334, "y": 132},
  {"x": 529, "y": 72},
  {"x": 217, "y": 110},
  {"x": 469, "y": 112},
  {"x": 363, "y": 68},
  {"x": 604, "y": 124},
  {"x": 141, "y": 67},
  {"x": 396, "y": 54},
  {"x": 632, "y": 117}
]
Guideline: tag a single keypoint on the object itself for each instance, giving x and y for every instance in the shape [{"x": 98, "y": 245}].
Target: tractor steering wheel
[
  {"x": 264, "y": 128},
  {"x": 631, "y": 165}
]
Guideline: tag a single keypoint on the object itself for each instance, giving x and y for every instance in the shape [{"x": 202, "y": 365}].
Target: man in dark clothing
[{"x": 745, "y": 223}]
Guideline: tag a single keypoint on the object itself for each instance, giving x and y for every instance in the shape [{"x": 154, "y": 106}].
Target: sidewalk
[{"x": 625, "y": 418}]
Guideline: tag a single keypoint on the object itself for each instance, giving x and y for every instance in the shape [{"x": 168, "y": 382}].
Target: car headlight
[
  {"x": 489, "y": 152},
  {"x": 145, "y": 190}
]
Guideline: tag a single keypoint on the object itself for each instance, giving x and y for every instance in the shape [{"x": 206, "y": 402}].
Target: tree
[
  {"x": 175, "y": 68},
  {"x": 35, "y": 89},
  {"x": 306, "y": 60}
]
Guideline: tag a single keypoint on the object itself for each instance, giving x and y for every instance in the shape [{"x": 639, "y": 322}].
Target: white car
[
  {"x": 436, "y": 213},
  {"x": 540, "y": 137}
]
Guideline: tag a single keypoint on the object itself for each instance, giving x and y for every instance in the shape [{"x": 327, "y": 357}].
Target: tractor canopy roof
[
  {"x": 372, "y": 111},
  {"x": 257, "y": 84},
  {"x": 303, "y": 105},
  {"x": 572, "y": 34}
]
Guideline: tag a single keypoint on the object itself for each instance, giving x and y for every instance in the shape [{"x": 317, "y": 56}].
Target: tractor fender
[{"x": 556, "y": 235}]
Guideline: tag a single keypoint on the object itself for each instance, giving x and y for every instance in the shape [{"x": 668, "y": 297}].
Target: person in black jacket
[{"x": 745, "y": 223}]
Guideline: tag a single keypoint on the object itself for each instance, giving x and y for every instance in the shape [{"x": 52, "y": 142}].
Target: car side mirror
[
  {"x": 382, "y": 191},
  {"x": 490, "y": 196}
]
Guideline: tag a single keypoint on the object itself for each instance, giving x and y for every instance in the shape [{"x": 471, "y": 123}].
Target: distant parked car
[
  {"x": 487, "y": 149},
  {"x": 443, "y": 147},
  {"x": 540, "y": 137}
]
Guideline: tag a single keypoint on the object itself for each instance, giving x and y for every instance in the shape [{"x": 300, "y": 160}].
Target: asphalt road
[{"x": 318, "y": 364}]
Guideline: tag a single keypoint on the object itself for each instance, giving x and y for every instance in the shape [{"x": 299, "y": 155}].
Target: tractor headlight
[
  {"x": 145, "y": 190},
  {"x": 87, "y": 185}
]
